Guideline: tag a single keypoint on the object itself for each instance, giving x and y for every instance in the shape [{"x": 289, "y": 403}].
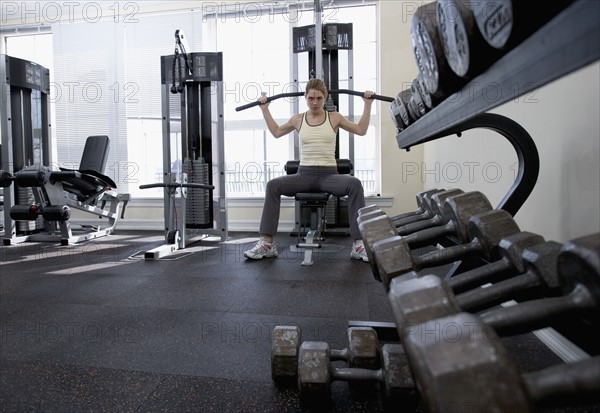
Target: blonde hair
[{"x": 316, "y": 84}]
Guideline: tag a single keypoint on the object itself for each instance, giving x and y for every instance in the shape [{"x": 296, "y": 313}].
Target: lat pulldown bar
[{"x": 296, "y": 94}]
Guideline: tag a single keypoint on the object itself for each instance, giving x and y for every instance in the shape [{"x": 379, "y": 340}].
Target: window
[
  {"x": 256, "y": 59},
  {"x": 111, "y": 71},
  {"x": 34, "y": 47},
  {"x": 261, "y": 48}
]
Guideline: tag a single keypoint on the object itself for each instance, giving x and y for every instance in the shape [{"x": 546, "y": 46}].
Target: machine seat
[
  {"x": 316, "y": 197},
  {"x": 89, "y": 180}
]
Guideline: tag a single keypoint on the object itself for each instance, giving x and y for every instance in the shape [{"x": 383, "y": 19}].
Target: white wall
[
  {"x": 397, "y": 70},
  {"x": 562, "y": 119}
]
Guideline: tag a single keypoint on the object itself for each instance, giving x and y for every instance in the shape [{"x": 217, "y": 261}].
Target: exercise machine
[
  {"x": 37, "y": 198},
  {"x": 325, "y": 65},
  {"x": 24, "y": 129},
  {"x": 311, "y": 219},
  {"x": 193, "y": 148}
]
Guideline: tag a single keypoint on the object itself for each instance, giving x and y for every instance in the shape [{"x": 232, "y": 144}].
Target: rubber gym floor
[{"x": 93, "y": 327}]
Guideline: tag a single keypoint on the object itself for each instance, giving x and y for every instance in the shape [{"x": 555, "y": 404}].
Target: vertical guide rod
[{"x": 318, "y": 41}]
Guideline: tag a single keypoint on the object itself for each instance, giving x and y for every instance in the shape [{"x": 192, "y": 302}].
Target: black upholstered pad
[{"x": 313, "y": 196}]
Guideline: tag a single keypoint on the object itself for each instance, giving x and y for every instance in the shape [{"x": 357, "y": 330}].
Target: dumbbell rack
[
  {"x": 563, "y": 45},
  {"x": 566, "y": 43}
]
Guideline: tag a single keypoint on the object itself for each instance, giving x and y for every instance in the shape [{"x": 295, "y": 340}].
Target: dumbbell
[
  {"x": 440, "y": 81},
  {"x": 435, "y": 217},
  {"x": 511, "y": 262},
  {"x": 505, "y": 23},
  {"x": 401, "y": 107},
  {"x": 429, "y": 209},
  {"x": 459, "y": 364},
  {"x": 396, "y": 115},
  {"x": 423, "y": 206},
  {"x": 372, "y": 230},
  {"x": 368, "y": 209},
  {"x": 426, "y": 209},
  {"x": 485, "y": 231},
  {"x": 539, "y": 278},
  {"x": 316, "y": 374},
  {"x": 425, "y": 298},
  {"x": 468, "y": 54},
  {"x": 422, "y": 198},
  {"x": 410, "y": 104},
  {"x": 429, "y": 101},
  {"x": 432, "y": 215},
  {"x": 579, "y": 277},
  {"x": 416, "y": 107},
  {"x": 457, "y": 209},
  {"x": 429, "y": 214},
  {"x": 362, "y": 350},
  {"x": 285, "y": 343}
]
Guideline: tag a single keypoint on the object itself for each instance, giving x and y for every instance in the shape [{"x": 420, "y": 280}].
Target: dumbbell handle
[
  {"x": 411, "y": 219},
  {"x": 410, "y": 214},
  {"x": 566, "y": 384},
  {"x": 356, "y": 374},
  {"x": 535, "y": 314},
  {"x": 420, "y": 225},
  {"x": 479, "y": 298},
  {"x": 346, "y": 355},
  {"x": 398, "y": 219},
  {"x": 480, "y": 275},
  {"x": 340, "y": 355},
  {"x": 425, "y": 236},
  {"x": 447, "y": 255}
]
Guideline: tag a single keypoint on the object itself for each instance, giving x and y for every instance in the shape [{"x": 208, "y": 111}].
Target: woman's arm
[
  {"x": 277, "y": 130},
  {"x": 362, "y": 126}
]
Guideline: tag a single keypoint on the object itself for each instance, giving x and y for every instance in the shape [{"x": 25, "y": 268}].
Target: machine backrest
[{"x": 95, "y": 154}]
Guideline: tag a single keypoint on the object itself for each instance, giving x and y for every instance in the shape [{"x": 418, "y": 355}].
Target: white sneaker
[
  {"x": 261, "y": 250},
  {"x": 358, "y": 251}
]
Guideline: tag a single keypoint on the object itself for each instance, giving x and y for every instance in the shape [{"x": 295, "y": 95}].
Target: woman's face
[{"x": 315, "y": 100}]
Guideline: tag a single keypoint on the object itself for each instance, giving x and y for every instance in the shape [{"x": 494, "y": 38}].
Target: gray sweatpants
[{"x": 312, "y": 179}]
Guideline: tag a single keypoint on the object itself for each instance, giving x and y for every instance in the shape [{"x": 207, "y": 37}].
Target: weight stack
[
  {"x": 336, "y": 213},
  {"x": 198, "y": 202},
  {"x": 25, "y": 197},
  {"x": 331, "y": 212}
]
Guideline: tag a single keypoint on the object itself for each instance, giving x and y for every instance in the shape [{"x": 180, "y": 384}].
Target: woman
[{"x": 317, "y": 172}]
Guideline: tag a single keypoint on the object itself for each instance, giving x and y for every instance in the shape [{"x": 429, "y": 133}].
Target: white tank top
[{"x": 317, "y": 143}]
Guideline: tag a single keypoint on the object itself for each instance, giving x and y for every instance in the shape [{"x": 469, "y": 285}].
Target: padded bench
[{"x": 315, "y": 202}]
